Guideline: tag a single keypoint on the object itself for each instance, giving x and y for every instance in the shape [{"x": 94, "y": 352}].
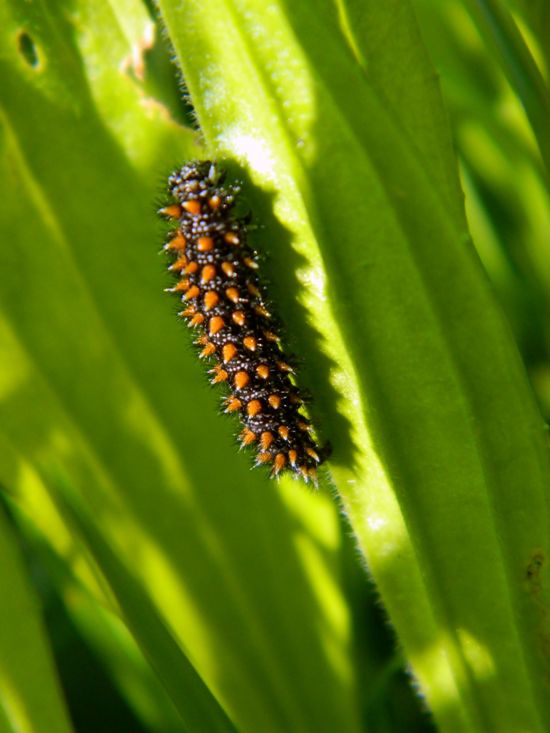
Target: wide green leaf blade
[
  {"x": 98, "y": 384},
  {"x": 443, "y": 467}
]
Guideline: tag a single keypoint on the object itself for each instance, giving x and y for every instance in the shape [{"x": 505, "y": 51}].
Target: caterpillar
[{"x": 225, "y": 302}]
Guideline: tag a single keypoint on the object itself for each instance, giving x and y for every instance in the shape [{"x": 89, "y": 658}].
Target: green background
[{"x": 395, "y": 156}]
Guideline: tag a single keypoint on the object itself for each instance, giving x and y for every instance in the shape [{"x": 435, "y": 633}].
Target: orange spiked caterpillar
[{"x": 224, "y": 301}]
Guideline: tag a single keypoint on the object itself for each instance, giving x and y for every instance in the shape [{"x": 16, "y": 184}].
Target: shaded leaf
[{"x": 30, "y": 697}]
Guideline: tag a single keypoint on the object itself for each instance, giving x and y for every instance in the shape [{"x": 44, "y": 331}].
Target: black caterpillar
[{"x": 225, "y": 302}]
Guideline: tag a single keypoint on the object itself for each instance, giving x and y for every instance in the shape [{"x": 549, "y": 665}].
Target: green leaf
[
  {"x": 198, "y": 708},
  {"x": 30, "y": 697},
  {"x": 537, "y": 15},
  {"x": 99, "y": 625},
  {"x": 98, "y": 385},
  {"x": 118, "y": 652},
  {"x": 507, "y": 200},
  {"x": 440, "y": 457},
  {"x": 443, "y": 465},
  {"x": 500, "y": 32}
]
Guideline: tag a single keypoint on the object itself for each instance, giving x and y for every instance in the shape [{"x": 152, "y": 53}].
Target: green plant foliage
[
  {"x": 196, "y": 704},
  {"x": 498, "y": 28},
  {"x": 238, "y": 591},
  {"x": 29, "y": 695},
  {"x": 98, "y": 386},
  {"x": 507, "y": 195},
  {"x": 453, "y": 436}
]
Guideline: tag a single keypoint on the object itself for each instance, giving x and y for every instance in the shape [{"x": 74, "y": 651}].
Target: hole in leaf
[{"x": 27, "y": 48}]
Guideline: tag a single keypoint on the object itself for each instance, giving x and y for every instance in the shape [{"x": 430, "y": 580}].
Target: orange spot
[
  {"x": 221, "y": 376},
  {"x": 266, "y": 439},
  {"x": 312, "y": 454},
  {"x": 193, "y": 292},
  {"x": 274, "y": 400},
  {"x": 263, "y": 457},
  {"x": 181, "y": 286},
  {"x": 313, "y": 474},
  {"x": 229, "y": 352},
  {"x": 192, "y": 267},
  {"x": 189, "y": 311},
  {"x": 176, "y": 244},
  {"x": 197, "y": 319},
  {"x": 172, "y": 212},
  {"x": 214, "y": 202},
  {"x": 231, "y": 238},
  {"x": 253, "y": 290},
  {"x": 205, "y": 244},
  {"x": 193, "y": 207},
  {"x": 284, "y": 367},
  {"x": 247, "y": 437},
  {"x": 208, "y": 273},
  {"x": 215, "y": 325},
  {"x": 233, "y": 404},
  {"x": 239, "y": 318},
  {"x": 270, "y": 336},
  {"x": 250, "y": 343},
  {"x": 241, "y": 379},
  {"x": 279, "y": 463},
  {"x": 208, "y": 350},
  {"x": 303, "y": 471},
  {"x": 254, "y": 407},
  {"x": 261, "y": 311},
  {"x": 228, "y": 268},
  {"x": 233, "y": 295},
  {"x": 249, "y": 262},
  {"x": 303, "y": 425},
  {"x": 262, "y": 371},
  {"x": 211, "y": 299},
  {"x": 202, "y": 340},
  {"x": 292, "y": 457},
  {"x": 179, "y": 264},
  {"x": 283, "y": 432}
]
